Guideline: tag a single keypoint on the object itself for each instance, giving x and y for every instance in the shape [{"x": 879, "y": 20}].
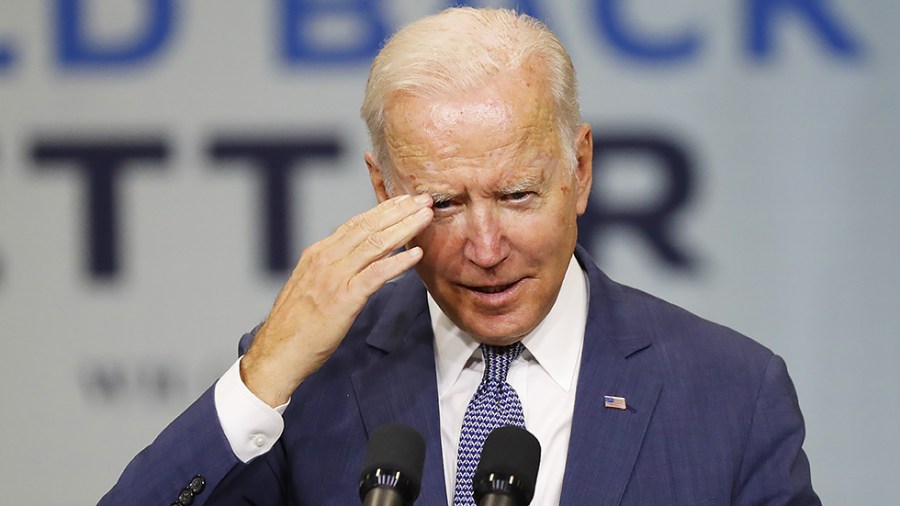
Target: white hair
[{"x": 460, "y": 49}]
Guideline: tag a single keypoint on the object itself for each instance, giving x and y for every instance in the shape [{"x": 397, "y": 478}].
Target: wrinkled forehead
[
  {"x": 414, "y": 120},
  {"x": 454, "y": 115},
  {"x": 475, "y": 135},
  {"x": 512, "y": 112}
]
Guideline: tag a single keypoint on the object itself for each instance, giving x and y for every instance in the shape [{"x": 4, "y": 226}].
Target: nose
[{"x": 486, "y": 244}]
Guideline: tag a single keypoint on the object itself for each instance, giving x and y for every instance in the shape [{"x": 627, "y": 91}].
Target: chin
[{"x": 500, "y": 335}]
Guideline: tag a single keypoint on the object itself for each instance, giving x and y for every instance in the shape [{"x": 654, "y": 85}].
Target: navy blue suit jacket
[{"x": 712, "y": 416}]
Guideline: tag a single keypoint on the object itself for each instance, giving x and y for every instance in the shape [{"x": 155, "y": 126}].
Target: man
[{"x": 481, "y": 166}]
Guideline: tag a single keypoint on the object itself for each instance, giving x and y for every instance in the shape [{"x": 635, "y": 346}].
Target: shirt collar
[{"x": 555, "y": 344}]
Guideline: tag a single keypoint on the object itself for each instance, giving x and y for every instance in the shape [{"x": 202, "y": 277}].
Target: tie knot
[{"x": 497, "y": 360}]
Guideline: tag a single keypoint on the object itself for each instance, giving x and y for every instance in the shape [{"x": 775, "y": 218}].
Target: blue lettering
[
  {"x": 642, "y": 46},
  {"x": 76, "y": 49},
  {"x": 763, "y": 13},
  {"x": 332, "y": 32},
  {"x": 6, "y": 55}
]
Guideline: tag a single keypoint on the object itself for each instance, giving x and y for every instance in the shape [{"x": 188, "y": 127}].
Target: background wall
[{"x": 162, "y": 164}]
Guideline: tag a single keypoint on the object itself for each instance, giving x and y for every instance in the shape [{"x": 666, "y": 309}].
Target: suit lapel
[
  {"x": 400, "y": 384},
  {"x": 604, "y": 442}
]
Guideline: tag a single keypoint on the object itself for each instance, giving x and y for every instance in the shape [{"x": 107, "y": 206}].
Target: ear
[
  {"x": 584, "y": 170},
  {"x": 376, "y": 177}
]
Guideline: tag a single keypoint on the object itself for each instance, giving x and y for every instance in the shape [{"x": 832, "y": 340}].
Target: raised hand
[{"x": 327, "y": 290}]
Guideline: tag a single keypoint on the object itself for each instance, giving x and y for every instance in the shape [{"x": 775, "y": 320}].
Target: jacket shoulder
[{"x": 686, "y": 343}]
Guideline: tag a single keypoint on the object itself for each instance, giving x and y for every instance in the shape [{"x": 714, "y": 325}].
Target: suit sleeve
[
  {"x": 192, "y": 446},
  {"x": 190, "y": 457},
  {"x": 775, "y": 470}
]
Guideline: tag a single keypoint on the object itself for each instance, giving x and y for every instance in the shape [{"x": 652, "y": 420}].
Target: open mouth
[{"x": 492, "y": 288}]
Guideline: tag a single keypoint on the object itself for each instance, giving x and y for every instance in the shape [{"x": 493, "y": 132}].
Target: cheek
[
  {"x": 439, "y": 244},
  {"x": 544, "y": 234}
]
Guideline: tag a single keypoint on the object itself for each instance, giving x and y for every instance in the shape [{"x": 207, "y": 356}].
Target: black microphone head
[
  {"x": 509, "y": 464},
  {"x": 394, "y": 458}
]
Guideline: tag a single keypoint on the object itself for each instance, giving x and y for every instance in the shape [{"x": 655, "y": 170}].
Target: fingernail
[{"x": 422, "y": 198}]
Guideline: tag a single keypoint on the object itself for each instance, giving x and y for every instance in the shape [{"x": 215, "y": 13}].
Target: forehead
[{"x": 505, "y": 125}]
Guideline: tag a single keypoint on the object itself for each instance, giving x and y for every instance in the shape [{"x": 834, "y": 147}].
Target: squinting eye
[
  {"x": 517, "y": 195},
  {"x": 443, "y": 204}
]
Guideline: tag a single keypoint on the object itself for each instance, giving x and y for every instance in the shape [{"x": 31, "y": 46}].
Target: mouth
[{"x": 492, "y": 289}]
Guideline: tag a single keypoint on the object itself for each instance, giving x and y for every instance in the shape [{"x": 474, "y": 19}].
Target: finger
[
  {"x": 386, "y": 214},
  {"x": 376, "y": 274},
  {"x": 379, "y": 245}
]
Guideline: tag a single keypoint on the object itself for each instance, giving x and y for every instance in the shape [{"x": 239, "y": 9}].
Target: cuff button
[
  {"x": 198, "y": 483},
  {"x": 186, "y": 497}
]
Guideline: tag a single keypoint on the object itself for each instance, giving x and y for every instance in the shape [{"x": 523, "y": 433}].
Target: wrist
[{"x": 265, "y": 382}]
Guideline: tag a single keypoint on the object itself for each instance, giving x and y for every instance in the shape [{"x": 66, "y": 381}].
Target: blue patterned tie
[{"x": 495, "y": 404}]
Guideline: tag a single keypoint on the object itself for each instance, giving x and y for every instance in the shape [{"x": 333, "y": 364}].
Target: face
[{"x": 505, "y": 202}]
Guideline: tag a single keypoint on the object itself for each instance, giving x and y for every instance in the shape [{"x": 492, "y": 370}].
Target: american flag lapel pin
[{"x": 610, "y": 401}]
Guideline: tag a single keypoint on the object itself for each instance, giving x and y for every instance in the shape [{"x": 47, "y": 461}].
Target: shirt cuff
[{"x": 251, "y": 426}]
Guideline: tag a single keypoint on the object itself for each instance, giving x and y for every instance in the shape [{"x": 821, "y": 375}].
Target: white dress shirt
[{"x": 544, "y": 377}]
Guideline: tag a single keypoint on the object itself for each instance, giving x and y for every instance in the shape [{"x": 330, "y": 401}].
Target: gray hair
[{"x": 460, "y": 49}]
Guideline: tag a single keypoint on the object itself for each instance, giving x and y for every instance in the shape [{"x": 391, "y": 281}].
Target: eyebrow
[
  {"x": 525, "y": 184},
  {"x": 441, "y": 197}
]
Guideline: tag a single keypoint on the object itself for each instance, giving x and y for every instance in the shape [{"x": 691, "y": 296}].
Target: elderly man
[{"x": 481, "y": 166}]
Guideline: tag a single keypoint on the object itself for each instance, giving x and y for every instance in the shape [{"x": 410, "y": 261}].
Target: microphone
[
  {"x": 392, "y": 472},
  {"x": 508, "y": 468}
]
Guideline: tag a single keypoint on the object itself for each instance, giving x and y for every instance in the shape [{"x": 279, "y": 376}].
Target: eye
[
  {"x": 517, "y": 196},
  {"x": 441, "y": 204}
]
